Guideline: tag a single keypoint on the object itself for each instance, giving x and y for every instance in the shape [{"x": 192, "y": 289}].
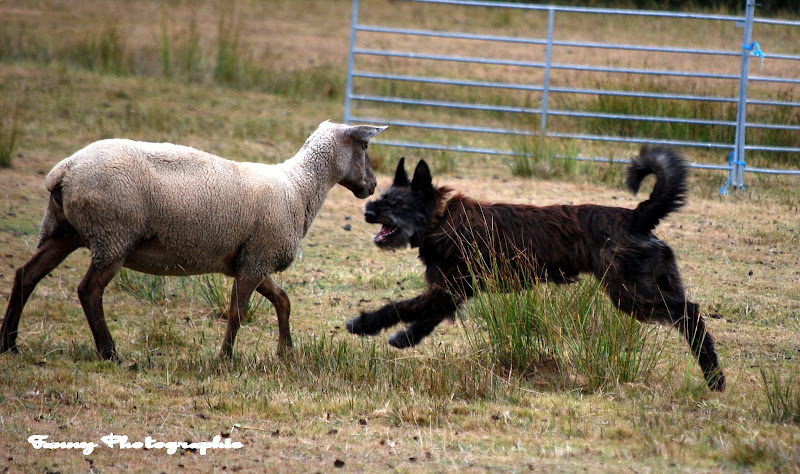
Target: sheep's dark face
[
  {"x": 405, "y": 211},
  {"x": 360, "y": 178}
]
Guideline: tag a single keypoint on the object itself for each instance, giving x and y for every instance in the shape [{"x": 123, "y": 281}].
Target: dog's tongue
[{"x": 383, "y": 234}]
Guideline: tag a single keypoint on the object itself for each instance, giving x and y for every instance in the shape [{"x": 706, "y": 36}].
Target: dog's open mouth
[{"x": 386, "y": 232}]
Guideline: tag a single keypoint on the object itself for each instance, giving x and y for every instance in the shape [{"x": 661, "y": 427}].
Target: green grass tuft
[
  {"x": 782, "y": 394},
  {"x": 151, "y": 288},
  {"x": 214, "y": 291},
  {"x": 526, "y": 323},
  {"x": 543, "y": 157},
  {"x": 9, "y": 134},
  {"x": 103, "y": 52},
  {"x": 166, "y": 48}
]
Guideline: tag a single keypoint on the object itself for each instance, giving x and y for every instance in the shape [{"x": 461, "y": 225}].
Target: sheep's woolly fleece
[{"x": 188, "y": 211}]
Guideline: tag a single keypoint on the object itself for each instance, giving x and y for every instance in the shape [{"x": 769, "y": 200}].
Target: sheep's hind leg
[
  {"x": 240, "y": 296},
  {"x": 275, "y": 294},
  {"x": 48, "y": 256},
  {"x": 90, "y": 294}
]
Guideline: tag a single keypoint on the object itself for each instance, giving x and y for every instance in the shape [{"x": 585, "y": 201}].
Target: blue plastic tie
[
  {"x": 724, "y": 189},
  {"x": 732, "y": 161},
  {"x": 756, "y": 49}
]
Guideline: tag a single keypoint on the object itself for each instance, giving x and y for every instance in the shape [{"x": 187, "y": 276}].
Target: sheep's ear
[
  {"x": 363, "y": 133},
  {"x": 400, "y": 175},
  {"x": 422, "y": 177}
]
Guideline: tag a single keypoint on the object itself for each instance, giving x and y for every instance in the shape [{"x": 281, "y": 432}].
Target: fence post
[
  {"x": 549, "y": 60},
  {"x": 351, "y": 62},
  {"x": 738, "y": 162}
]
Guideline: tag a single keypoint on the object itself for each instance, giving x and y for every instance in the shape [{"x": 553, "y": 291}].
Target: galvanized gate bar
[
  {"x": 569, "y": 67},
  {"x": 534, "y": 87},
  {"x": 540, "y": 41},
  {"x": 568, "y": 113},
  {"x": 738, "y": 159},
  {"x": 606, "y": 11}
]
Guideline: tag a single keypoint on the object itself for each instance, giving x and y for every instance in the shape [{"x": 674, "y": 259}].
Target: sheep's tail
[
  {"x": 53, "y": 180},
  {"x": 670, "y": 191},
  {"x": 55, "y": 206}
]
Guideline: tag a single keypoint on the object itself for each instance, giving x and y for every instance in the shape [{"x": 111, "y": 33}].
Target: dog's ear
[
  {"x": 400, "y": 176},
  {"x": 422, "y": 177}
]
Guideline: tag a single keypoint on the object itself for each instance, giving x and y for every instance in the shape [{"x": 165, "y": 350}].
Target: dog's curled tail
[{"x": 670, "y": 191}]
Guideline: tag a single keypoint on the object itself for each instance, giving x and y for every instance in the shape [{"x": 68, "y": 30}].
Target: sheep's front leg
[
  {"x": 90, "y": 294},
  {"x": 240, "y": 296},
  {"x": 275, "y": 294}
]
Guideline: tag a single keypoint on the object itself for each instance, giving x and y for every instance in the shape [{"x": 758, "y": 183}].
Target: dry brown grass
[{"x": 344, "y": 401}]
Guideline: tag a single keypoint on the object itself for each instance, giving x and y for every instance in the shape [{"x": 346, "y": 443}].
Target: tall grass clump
[
  {"x": 518, "y": 337},
  {"x": 214, "y": 291},
  {"x": 152, "y": 288},
  {"x": 181, "y": 54},
  {"x": 230, "y": 64},
  {"x": 524, "y": 322},
  {"x": 190, "y": 54},
  {"x": 606, "y": 346},
  {"x": 166, "y": 48},
  {"x": 17, "y": 42},
  {"x": 103, "y": 52},
  {"x": 782, "y": 394},
  {"x": 9, "y": 133},
  {"x": 542, "y": 157}
]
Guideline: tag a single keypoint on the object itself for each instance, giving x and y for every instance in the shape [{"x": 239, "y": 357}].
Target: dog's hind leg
[
  {"x": 424, "y": 312},
  {"x": 677, "y": 310},
  {"x": 646, "y": 284},
  {"x": 684, "y": 315},
  {"x": 693, "y": 328}
]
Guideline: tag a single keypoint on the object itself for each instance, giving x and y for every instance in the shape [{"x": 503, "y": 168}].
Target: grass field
[{"x": 250, "y": 82}]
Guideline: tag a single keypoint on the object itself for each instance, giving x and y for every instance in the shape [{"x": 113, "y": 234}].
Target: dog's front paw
[
  {"x": 401, "y": 339},
  {"x": 361, "y": 325},
  {"x": 716, "y": 381}
]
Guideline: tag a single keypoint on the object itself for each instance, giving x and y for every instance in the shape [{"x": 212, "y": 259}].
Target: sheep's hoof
[
  {"x": 9, "y": 348},
  {"x": 284, "y": 350},
  {"x": 225, "y": 354},
  {"x": 111, "y": 356}
]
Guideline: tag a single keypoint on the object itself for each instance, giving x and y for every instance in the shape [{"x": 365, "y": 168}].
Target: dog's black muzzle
[{"x": 371, "y": 216}]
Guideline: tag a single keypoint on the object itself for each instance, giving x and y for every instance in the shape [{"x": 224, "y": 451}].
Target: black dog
[{"x": 637, "y": 270}]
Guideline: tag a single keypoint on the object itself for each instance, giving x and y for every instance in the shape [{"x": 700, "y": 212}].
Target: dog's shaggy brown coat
[{"x": 638, "y": 271}]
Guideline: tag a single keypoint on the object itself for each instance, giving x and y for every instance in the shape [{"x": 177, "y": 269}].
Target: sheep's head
[{"x": 358, "y": 175}]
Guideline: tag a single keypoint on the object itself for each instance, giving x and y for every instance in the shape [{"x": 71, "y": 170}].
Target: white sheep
[{"x": 167, "y": 209}]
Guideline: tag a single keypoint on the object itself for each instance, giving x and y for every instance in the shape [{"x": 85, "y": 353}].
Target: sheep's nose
[{"x": 370, "y": 216}]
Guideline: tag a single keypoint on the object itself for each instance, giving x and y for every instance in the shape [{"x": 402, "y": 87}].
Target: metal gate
[{"x": 397, "y": 75}]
